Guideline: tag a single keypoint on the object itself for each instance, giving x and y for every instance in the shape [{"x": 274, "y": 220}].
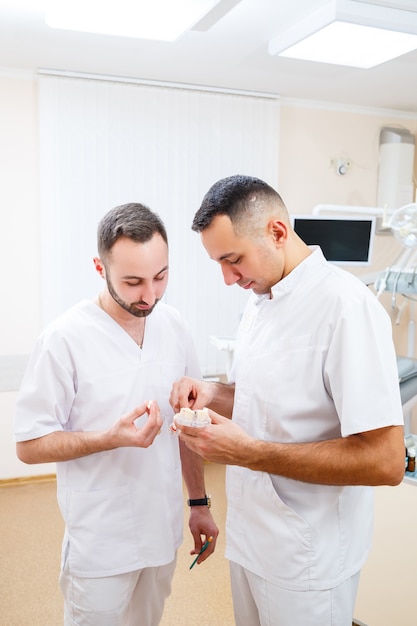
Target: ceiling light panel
[
  {"x": 353, "y": 45},
  {"x": 144, "y": 19},
  {"x": 348, "y": 32}
]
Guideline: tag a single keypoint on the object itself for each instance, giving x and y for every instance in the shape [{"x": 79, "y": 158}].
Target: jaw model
[{"x": 188, "y": 417}]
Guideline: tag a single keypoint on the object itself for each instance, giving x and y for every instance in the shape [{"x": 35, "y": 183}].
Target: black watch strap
[{"x": 206, "y": 501}]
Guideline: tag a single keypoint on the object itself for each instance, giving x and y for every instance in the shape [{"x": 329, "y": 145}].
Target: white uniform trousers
[
  {"x": 257, "y": 602},
  {"x": 123, "y": 600}
]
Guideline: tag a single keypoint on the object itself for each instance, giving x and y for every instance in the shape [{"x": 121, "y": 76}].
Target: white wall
[
  {"x": 310, "y": 136},
  {"x": 10, "y": 466},
  {"x": 19, "y": 249},
  {"x": 19, "y": 210}
]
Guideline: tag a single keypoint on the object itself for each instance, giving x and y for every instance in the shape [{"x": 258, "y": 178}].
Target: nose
[
  {"x": 147, "y": 294},
  {"x": 230, "y": 275}
]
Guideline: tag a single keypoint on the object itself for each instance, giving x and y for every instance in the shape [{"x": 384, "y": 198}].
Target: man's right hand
[
  {"x": 125, "y": 433},
  {"x": 66, "y": 445},
  {"x": 190, "y": 393}
]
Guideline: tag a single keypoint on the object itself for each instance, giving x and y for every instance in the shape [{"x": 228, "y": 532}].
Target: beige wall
[
  {"x": 310, "y": 138},
  {"x": 387, "y": 588},
  {"x": 311, "y": 135}
]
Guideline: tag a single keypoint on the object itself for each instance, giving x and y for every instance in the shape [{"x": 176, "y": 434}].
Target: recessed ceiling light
[
  {"x": 348, "y": 32},
  {"x": 144, "y": 19}
]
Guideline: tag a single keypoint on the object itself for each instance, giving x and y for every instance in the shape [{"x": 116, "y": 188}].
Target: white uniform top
[
  {"x": 313, "y": 363},
  {"x": 122, "y": 508}
]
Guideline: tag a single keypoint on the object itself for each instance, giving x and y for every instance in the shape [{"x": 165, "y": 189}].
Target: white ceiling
[{"x": 227, "y": 49}]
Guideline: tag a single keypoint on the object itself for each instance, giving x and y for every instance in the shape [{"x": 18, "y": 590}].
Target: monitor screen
[{"x": 343, "y": 240}]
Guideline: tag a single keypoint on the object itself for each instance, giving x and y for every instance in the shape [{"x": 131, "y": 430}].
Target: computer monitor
[{"x": 343, "y": 240}]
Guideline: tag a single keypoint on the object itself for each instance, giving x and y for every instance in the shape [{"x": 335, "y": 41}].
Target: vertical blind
[{"x": 105, "y": 143}]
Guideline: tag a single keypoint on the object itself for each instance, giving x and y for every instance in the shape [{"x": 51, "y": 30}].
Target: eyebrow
[
  {"x": 132, "y": 277},
  {"x": 226, "y": 256}
]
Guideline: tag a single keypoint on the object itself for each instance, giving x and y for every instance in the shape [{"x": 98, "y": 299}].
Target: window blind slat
[{"x": 105, "y": 143}]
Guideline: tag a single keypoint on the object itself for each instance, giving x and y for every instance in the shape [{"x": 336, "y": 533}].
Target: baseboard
[
  {"x": 22, "y": 480},
  {"x": 356, "y": 622}
]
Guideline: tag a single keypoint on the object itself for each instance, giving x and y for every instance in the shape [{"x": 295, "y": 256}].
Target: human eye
[
  {"x": 235, "y": 261},
  {"x": 161, "y": 276}
]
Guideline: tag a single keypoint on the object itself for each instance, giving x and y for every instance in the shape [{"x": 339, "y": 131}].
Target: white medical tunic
[
  {"x": 122, "y": 508},
  {"x": 314, "y": 362}
]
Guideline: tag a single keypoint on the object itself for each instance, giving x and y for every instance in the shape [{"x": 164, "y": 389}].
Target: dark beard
[{"x": 130, "y": 308}]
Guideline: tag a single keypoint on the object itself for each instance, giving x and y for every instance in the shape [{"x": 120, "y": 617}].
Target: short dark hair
[
  {"x": 238, "y": 197},
  {"x": 135, "y": 221}
]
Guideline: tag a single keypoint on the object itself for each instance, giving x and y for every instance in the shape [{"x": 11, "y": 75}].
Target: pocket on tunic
[
  {"x": 265, "y": 535},
  {"x": 102, "y": 534}
]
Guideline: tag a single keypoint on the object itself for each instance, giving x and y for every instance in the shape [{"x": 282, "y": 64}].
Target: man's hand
[
  {"x": 190, "y": 393},
  {"x": 198, "y": 394},
  {"x": 202, "y": 527},
  {"x": 222, "y": 441},
  {"x": 370, "y": 458},
  {"x": 65, "y": 446},
  {"x": 125, "y": 433}
]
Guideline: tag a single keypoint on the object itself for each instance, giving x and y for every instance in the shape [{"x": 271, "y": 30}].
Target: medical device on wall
[
  {"x": 404, "y": 225},
  {"x": 396, "y": 164},
  {"x": 343, "y": 240},
  {"x": 401, "y": 276}
]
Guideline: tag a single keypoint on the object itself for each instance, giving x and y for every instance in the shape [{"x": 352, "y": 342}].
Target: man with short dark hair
[
  {"x": 95, "y": 400},
  {"x": 316, "y": 414}
]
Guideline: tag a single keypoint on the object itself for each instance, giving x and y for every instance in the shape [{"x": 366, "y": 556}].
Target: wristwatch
[{"x": 206, "y": 501}]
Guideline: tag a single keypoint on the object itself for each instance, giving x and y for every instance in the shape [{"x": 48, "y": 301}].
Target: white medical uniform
[
  {"x": 315, "y": 362},
  {"x": 122, "y": 508}
]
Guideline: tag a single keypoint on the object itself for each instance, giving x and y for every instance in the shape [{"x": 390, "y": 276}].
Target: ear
[
  {"x": 100, "y": 269},
  {"x": 278, "y": 230}
]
